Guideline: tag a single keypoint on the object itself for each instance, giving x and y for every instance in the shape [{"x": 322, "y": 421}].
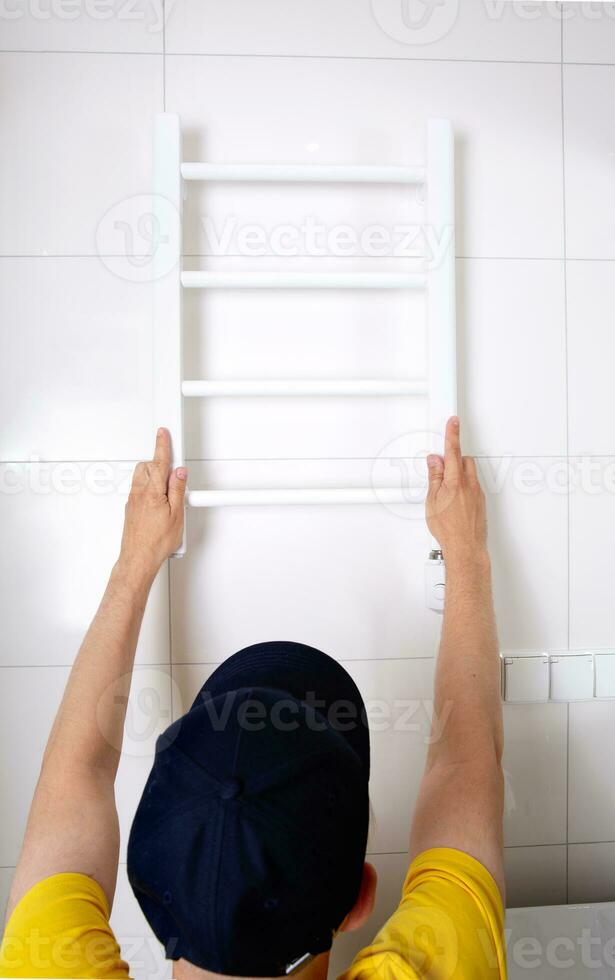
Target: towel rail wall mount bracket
[{"x": 438, "y": 281}]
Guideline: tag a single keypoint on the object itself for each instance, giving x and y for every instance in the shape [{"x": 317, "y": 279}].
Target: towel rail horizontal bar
[
  {"x": 368, "y": 386},
  {"x": 303, "y": 280},
  {"x": 303, "y": 173},
  {"x": 337, "y": 495}
]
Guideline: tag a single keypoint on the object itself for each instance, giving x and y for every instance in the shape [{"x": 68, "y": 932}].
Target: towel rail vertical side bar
[
  {"x": 441, "y": 320},
  {"x": 167, "y": 291},
  {"x": 442, "y": 373}
]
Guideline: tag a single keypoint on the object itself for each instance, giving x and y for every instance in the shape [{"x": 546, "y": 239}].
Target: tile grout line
[
  {"x": 300, "y": 459},
  {"x": 307, "y": 57},
  {"x": 304, "y": 256},
  {"x": 363, "y": 57},
  {"x": 298, "y": 57},
  {"x": 326, "y": 258}
]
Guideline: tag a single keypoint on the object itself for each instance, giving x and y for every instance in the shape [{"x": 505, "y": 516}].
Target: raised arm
[
  {"x": 73, "y": 824},
  {"x": 460, "y": 802}
]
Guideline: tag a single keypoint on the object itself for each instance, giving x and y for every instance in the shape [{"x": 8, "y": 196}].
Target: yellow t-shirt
[{"x": 448, "y": 926}]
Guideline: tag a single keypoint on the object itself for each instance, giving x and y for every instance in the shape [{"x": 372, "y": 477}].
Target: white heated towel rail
[{"x": 170, "y": 387}]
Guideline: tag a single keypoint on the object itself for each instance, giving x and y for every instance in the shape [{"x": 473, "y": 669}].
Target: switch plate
[
  {"x": 526, "y": 678},
  {"x": 571, "y": 677},
  {"x": 605, "y": 675}
]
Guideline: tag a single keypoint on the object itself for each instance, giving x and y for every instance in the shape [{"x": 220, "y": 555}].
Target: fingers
[
  {"x": 155, "y": 474},
  {"x": 177, "y": 488},
  {"x": 162, "y": 452},
  {"x": 469, "y": 469},
  {"x": 140, "y": 475},
  {"x": 435, "y": 472},
  {"x": 161, "y": 460},
  {"x": 453, "y": 466}
]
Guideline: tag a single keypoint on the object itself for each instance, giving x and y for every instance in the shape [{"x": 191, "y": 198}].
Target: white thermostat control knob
[{"x": 435, "y": 581}]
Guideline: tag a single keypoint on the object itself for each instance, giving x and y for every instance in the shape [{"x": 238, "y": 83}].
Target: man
[{"x": 247, "y": 850}]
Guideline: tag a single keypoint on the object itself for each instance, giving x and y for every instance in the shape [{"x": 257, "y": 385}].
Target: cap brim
[{"x": 305, "y": 673}]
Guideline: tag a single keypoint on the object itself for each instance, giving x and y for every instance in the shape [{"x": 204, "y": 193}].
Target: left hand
[
  {"x": 455, "y": 506},
  {"x": 154, "y": 521}
]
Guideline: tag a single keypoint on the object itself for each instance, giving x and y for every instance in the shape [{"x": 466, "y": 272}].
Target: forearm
[
  {"x": 73, "y": 822},
  {"x": 461, "y": 798},
  {"x": 467, "y": 705},
  {"x": 88, "y": 729}
]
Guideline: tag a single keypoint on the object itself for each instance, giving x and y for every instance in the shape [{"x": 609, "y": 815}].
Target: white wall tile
[
  {"x": 591, "y": 872},
  {"x": 187, "y": 681},
  {"x": 589, "y": 131},
  {"x": 589, "y": 32},
  {"x": 29, "y": 700},
  {"x": 81, "y": 144},
  {"x": 535, "y": 774},
  {"x": 62, "y": 524},
  {"x": 398, "y": 695},
  {"x": 535, "y": 875},
  {"x": 140, "y": 948},
  {"x": 302, "y": 573},
  {"x": 591, "y": 346},
  {"x": 511, "y": 339},
  {"x": 527, "y": 516},
  {"x": 506, "y": 119},
  {"x": 592, "y": 539},
  {"x": 560, "y": 941},
  {"x": 591, "y": 794},
  {"x": 75, "y": 361},
  {"x": 391, "y": 869},
  {"x": 510, "y": 31},
  {"x": 119, "y": 25}
]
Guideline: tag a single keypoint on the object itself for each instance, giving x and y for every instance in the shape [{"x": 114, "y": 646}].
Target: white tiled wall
[{"x": 529, "y": 89}]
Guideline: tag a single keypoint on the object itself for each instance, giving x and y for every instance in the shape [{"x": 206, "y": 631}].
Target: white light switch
[
  {"x": 605, "y": 675},
  {"x": 526, "y": 678},
  {"x": 572, "y": 677}
]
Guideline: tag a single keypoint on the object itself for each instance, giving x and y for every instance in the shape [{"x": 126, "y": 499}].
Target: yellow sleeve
[
  {"x": 448, "y": 926},
  {"x": 60, "y": 928}
]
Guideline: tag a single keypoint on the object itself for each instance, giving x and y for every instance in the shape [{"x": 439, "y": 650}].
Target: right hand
[
  {"x": 154, "y": 519},
  {"x": 455, "y": 506}
]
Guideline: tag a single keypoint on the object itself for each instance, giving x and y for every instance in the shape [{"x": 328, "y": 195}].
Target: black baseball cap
[{"x": 246, "y": 852}]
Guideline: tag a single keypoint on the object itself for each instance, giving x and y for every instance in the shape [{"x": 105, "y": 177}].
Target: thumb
[
  {"x": 177, "y": 487},
  {"x": 435, "y": 473}
]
